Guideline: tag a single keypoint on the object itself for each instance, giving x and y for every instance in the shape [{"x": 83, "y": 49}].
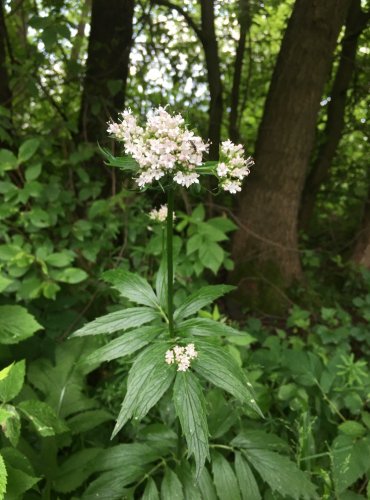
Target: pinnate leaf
[
  {"x": 151, "y": 491},
  {"x": 247, "y": 482},
  {"x": 16, "y": 324},
  {"x": 132, "y": 286},
  {"x": 191, "y": 409},
  {"x": 171, "y": 488},
  {"x": 224, "y": 478},
  {"x": 42, "y": 417},
  {"x": 201, "y": 298}
]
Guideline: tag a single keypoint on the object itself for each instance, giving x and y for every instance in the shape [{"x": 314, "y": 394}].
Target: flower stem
[{"x": 170, "y": 260}]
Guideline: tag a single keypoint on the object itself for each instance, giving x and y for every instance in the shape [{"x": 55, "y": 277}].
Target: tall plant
[{"x": 173, "y": 348}]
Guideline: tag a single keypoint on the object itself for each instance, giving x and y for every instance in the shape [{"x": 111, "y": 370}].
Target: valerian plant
[{"x": 174, "y": 349}]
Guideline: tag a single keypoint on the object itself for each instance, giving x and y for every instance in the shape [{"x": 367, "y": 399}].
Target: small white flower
[
  {"x": 186, "y": 179},
  {"x": 222, "y": 169},
  {"x": 160, "y": 214},
  {"x": 170, "y": 358},
  {"x": 183, "y": 364},
  {"x": 232, "y": 187},
  {"x": 190, "y": 351}
]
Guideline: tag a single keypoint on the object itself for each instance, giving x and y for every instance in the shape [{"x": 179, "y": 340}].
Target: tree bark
[
  {"x": 355, "y": 24},
  {"x": 244, "y": 23},
  {"x": 107, "y": 66},
  {"x": 5, "y": 91},
  {"x": 268, "y": 248},
  {"x": 210, "y": 46}
]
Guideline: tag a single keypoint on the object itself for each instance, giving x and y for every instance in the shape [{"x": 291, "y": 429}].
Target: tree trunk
[
  {"x": 244, "y": 23},
  {"x": 268, "y": 249},
  {"x": 107, "y": 66},
  {"x": 209, "y": 42},
  {"x": 361, "y": 252},
  {"x": 5, "y": 92},
  {"x": 355, "y": 24}
]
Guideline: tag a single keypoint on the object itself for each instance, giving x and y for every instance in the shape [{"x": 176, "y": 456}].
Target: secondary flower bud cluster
[
  {"x": 160, "y": 214},
  {"x": 233, "y": 167},
  {"x": 182, "y": 356},
  {"x": 163, "y": 146}
]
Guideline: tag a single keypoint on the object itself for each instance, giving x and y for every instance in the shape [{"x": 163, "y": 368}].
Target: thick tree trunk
[
  {"x": 361, "y": 251},
  {"x": 355, "y": 24},
  {"x": 107, "y": 66},
  {"x": 268, "y": 248},
  {"x": 209, "y": 42},
  {"x": 244, "y": 23}
]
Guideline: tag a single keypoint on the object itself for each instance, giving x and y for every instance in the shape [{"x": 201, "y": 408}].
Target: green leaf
[
  {"x": 189, "y": 482},
  {"x": 5, "y": 371},
  {"x": 123, "y": 455},
  {"x": 20, "y": 474},
  {"x": 280, "y": 473},
  {"x": 59, "y": 259},
  {"x": 204, "y": 327},
  {"x": 33, "y": 172},
  {"x": 148, "y": 379},
  {"x": 11, "y": 385},
  {"x": 199, "y": 299},
  {"x": 71, "y": 275},
  {"x": 259, "y": 439},
  {"x": 125, "y": 345},
  {"x": 27, "y": 150},
  {"x": 206, "y": 486},
  {"x": 247, "y": 482},
  {"x": 224, "y": 478},
  {"x": 74, "y": 471},
  {"x": 8, "y": 161},
  {"x": 10, "y": 423},
  {"x": 43, "y": 417},
  {"x": 171, "y": 488},
  {"x": 352, "y": 428},
  {"x": 191, "y": 409},
  {"x": 118, "y": 320},
  {"x": 112, "y": 485},
  {"x": 3, "y": 478},
  {"x": 351, "y": 460},
  {"x": 132, "y": 286},
  {"x": 218, "y": 367},
  {"x": 16, "y": 324},
  {"x": 4, "y": 283},
  {"x": 123, "y": 162},
  {"x": 151, "y": 491},
  {"x": 87, "y": 420},
  {"x": 161, "y": 283}
]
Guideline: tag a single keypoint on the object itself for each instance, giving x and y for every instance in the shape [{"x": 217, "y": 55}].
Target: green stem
[{"x": 170, "y": 260}]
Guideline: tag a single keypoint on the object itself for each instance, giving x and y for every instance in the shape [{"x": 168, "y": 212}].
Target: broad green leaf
[
  {"x": 5, "y": 371},
  {"x": 280, "y": 473},
  {"x": 199, "y": 299},
  {"x": 123, "y": 162},
  {"x": 161, "y": 283},
  {"x": 33, "y": 172},
  {"x": 128, "y": 454},
  {"x": 118, "y": 320},
  {"x": 87, "y": 420},
  {"x": 189, "y": 481},
  {"x": 211, "y": 255},
  {"x": 151, "y": 491},
  {"x": 112, "y": 485},
  {"x": 10, "y": 423},
  {"x": 8, "y": 160},
  {"x": 42, "y": 417},
  {"x": 71, "y": 275},
  {"x": 16, "y": 324},
  {"x": 218, "y": 367},
  {"x": 132, "y": 286},
  {"x": 352, "y": 428},
  {"x": 247, "y": 482},
  {"x": 11, "y": 385},
  {"x": 351, "y": 460},
  {"x": 20, "y": 474},
  {"x": 4, "y": 283},
  {"x": 224, "y": 478},
  {"x": 125, "y": 345},
  {"x": 74, "y": 471},
  {"x": 148, "y": 380},
  {"x": 206, "y": 486},
  {"x": 3, "y": 478},
  {"x": 27, "y": 150},
  {"x": 259, "y": 439},
  {"x": 191, "y": 410},
  {"x": 204, "y": 327},
  {"x": 59, "y": 259},
  {"x": 171, "y": 488}
]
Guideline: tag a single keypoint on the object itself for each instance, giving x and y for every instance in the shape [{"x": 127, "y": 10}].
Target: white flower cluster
[
  {"x": 163, "y": 146},
  {"x": 160, "y": 214},
  {"x": 233, "y": 167},
  {"x": 182, "y": 356}
]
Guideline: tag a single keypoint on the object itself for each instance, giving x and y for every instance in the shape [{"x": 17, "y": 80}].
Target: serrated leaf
[
  {"x": 74, "y": 471},
  {"x": 199, "y": 299},
  {"x": 112, "y": 485},
  {"x": 171, "y": 488},
  {"x": 124, "y": 455},
  {"x": 16, "y": 324},
  {"x": 88, "y": 420},
  {"x": 132, "y": 286},
  {"x": 125, "y": 345},
  {"x": 3, "y": 478},
  {"x": 151, "y": 491},
  {"x": 206, "y": 486},
  {"x": 351, "y": 460},
  {"x": 204, "y": 327},
  {"x": 218, "y": 367},
  {"x": 259, "y": 439},
  {"x": 10, "y": 423},
  {"x": 280, "y": 473},
  {"x": 11, "y": 385},
  {"x": 43, "y": 417},
  {"x": 224, "y": 478},
  {"x": 149, "y": 378},
  {"x": 118, "y": 320},
  {"x": 247, "y": 482},
  {"x": 191, "y": 409},
  {"x": 189, "y": 482},
  {"x": 28, "y": 149}
]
